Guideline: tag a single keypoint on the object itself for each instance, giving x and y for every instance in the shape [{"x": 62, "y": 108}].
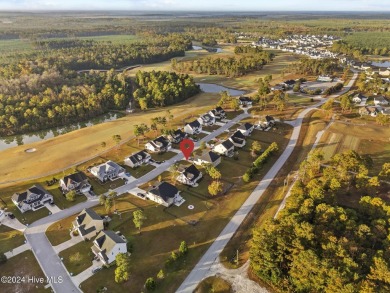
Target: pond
[
  {"x": 381, "y": 64},
  {"x": 215, "y": 50},
  {"x": 21, "y": 139},
  {"x": 216, "y": 88}
]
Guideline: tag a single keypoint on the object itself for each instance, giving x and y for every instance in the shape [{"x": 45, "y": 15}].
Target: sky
[{"x": 199, "y": 5}]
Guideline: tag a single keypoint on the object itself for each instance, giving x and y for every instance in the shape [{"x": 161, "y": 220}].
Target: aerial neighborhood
[{"x": 194, "y": 151}]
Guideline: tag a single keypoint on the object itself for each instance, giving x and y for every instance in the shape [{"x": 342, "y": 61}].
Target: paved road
[
  {"x": 46, "y": 254},
  {"x": 203, "y": 267}
]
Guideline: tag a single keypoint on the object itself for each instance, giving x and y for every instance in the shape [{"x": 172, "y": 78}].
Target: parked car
[
  {"x": 141, "y": 195},
  {"x": 95, "y": 270},
  {"x": 127, "y": 174},
  {"x": 11, "y": 216}
]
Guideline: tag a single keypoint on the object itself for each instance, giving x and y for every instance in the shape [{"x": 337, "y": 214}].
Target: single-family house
[
  {"x": 288, "y": 84},
  {"x": 107, "y": 245},
  {"x": 33, "y": 198},
  {"x": 206, "y": 119},
  {"x": 270, "y": 121},
  {"x": 238, "y": 139},
  {"x": 225, "y": 148},
  {"x": 164, "y": 193},
  {"x": 189, "y": 176},
  {"x": 218, "y": 113},
  {"x": 358, "y": 98},
  {"x": 207, "y": 157},
  {"x": 372, "y": 111},
  {"x": 193, "y": 127},
  {"x": 278, "y": 87},
  {"x": 385, "y": 111},
  {"x": 176, "y": 136},
  {"x": 107, "y": 171},
  {"x": 76, "y": 181},
  {"x": 380, "y": 101},
  {"x": 88, "y": 223},
  {"x": 325, "y": 78},
  {"x": 246, "y": 128},
  {"x": 245, "y": 101},
  {"x": 138, "y": 159},
  {"x": 159, "y": 145}
]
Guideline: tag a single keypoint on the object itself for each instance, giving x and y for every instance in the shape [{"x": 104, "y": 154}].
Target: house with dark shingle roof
[
  {"x": 207, "y": 157},
  {"x": 107, "y": 245},
  {"x": 206, "y": 119},
  {"x": 88, "y": 223},
  {"x": 225, "y": 148},
  {"x": 218, "y": 113},
  {"x": 107, "y": 171},
  {"x": 245, "y": 101},
  {"x": 193, "y": 127},
  {"x": 138, "y": 159},
  {"x": 189, "y": 176},
  {"x": 33, "y": 198},
  {"x": 246, "y": 128},
  {"x": 238, "y": 139},
  {"x": 176, "y": 136},
  {"x": 159, "y": 145},
  {"x": 163, "y": 193},
  {"x": 76, "y": 181}
]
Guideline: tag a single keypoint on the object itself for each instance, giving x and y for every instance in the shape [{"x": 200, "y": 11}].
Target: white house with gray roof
[
  {"x": 33, "y": 198},
  {"x": 107, "y": 171},
  {"x": 107, "y": 245},
  {"x": 164, "y": 193},
  {"x": 225, "y": 148},
  {"x": 138, "y": 159}
]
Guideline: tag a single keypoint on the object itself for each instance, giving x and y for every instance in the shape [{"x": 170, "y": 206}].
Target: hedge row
[{"x": 260, "y": 161}]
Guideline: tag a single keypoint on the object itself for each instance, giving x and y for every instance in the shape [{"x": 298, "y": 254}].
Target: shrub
[{"x": 150, "y": 284}]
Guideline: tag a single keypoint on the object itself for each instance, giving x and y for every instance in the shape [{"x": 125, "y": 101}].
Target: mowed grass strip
[
  {"x": 10, "y": 239},
  {"x": 23, "y": 265}
]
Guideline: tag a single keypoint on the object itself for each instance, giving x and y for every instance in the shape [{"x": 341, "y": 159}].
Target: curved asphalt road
[{"x": 202, "y": 269}]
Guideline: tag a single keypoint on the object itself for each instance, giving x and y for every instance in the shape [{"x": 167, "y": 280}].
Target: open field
[
  {"x": 10, "y": 239},
  {"x": 59, "y": 232},
  {"x": 23, "y": 265},
  {"x": 78, "y": 257},
  {"x": 365, "y": 139},
  {"x": 214, "y": 284},
  {"x": 53, "y": 155}
]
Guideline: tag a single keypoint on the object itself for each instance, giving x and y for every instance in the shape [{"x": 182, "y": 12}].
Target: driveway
[
  {"x": 52, "y": 208},
  {"x": 203, "y": 268},
  {"x": 79, "y": 278},
  {"x": 46, "y": 255},
  {"x": 12, "y": 223}
]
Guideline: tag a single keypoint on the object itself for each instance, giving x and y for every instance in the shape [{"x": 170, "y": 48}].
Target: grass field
[
  {"x": 365, "y": 139},
  {"x": 10, "y": 239},
  {"x": 59, "y": 232},
  {"x": 215, "y": 285},
  {"x": 23, "y": 265},
  {"x": 78, "y": 257}
]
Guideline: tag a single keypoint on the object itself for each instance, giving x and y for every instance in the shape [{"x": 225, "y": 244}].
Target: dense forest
[
  {"x": 333, "y": 235},
  {"x": 39, "y": 101},
  {"x": 163, "y": 88},
  {"x": 244, "y": 61},
  {"x": 314, "y": 66}
]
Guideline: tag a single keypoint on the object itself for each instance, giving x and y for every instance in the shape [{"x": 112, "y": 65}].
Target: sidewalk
[
  {"x": 73, "y": 241},
  {"x": 52, "y": 208},
  {"x": 78, "y": 279},
  {"x": 17, "y": 250}
]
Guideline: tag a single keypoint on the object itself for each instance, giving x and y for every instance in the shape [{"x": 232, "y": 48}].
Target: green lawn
[
  {"x": 23, "y": 265},
  {"x": 10, "y": 238},
  {"x": 215, "y": 285},
  {"x": 78, "y": 257},
  {"x": 139, "y": 171},
  {"x": 163, "y": 156},
  {"x": 59, "y": 232}
]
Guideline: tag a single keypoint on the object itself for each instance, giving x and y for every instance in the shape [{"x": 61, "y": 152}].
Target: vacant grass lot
[
  {"x": 78, "y": 257},
  {"x": 214, "y": 284},
  {"x": 59, "y": 232},
  {"x": 365, "y": 139},
  {"x": 10, "y": 239},
  {"x": 23, "y": 265}
]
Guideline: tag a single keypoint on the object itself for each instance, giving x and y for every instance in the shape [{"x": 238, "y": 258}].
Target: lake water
[
  {"x": 15, "y": 140},
  {"x": 382, "y": 64},
  {"x": 215, "y": 50},
  {"x": 216, "y": 88}
]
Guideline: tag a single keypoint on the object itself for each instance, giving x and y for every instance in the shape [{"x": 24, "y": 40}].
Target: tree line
[
  {"x": 245, "y": 61},
  {"x": 162, "y": 88},
  {"x": 310, "y": 66},
  {"x": 331, "y": 236}
]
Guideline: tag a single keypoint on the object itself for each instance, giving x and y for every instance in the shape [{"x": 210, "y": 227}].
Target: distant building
[
  {"x": 107, "y": 171},
  {"x": 325, "y": 78},
  {"x": 76, "y": 181},
  {"x": 225, "y": 148},
  {"x": 246, "y": 128},
  {"x": 138, "y": 159},
  {"x": 107, "y": 245},
  {"x": 193, "y": 127},
  {"x": 176, "y": 136},
  {"x": 159, "y": 145}
]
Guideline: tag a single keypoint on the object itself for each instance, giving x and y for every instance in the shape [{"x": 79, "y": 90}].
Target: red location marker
[{"x": 187, "y": 146}]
